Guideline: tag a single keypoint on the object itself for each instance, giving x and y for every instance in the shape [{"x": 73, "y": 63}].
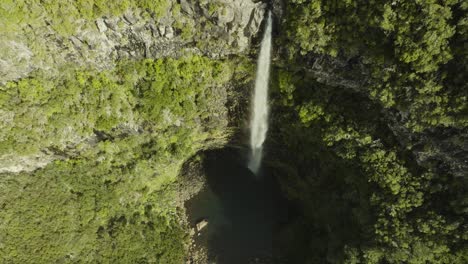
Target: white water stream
[{"x": 259, "y": 115}]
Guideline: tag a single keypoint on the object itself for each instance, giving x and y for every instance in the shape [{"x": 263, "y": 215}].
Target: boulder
[{"x": 201, "y": 224}]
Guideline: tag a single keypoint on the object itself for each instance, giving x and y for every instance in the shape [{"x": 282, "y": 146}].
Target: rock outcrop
[{"x": 213, "y": 28}]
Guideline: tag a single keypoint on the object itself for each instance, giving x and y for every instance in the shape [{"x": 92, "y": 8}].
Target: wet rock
[{"x": 278, "y": 7}]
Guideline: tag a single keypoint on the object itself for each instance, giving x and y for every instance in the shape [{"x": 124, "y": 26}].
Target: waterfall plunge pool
[{"x": 245, "y": 212}]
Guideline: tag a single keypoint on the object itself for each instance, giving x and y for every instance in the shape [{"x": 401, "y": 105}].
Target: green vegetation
[
  {"x": 62, "y": 16},
  {"x": 154, "y": 94},
  {"x": 366, "y": 199},
  {"x": 111, "y": 205},
  {"x": 121, "y": 137},
  {"x": 403, "y": 44},
  {"x": 351, "y": 156}
]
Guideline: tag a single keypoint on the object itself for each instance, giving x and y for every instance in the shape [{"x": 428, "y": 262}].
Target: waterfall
[{"x": 259, "y": 114}]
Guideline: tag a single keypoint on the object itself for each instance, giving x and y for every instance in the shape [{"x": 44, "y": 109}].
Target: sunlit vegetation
[
  {"x": 159, "y": 95},
  {"x": 113, "y": 204},
  {"x": 120, "y": 138},
  {"x": 62, "y": 16}
]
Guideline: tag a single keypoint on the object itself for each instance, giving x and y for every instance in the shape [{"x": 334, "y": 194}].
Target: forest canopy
[{"x": 374, "y": 86}]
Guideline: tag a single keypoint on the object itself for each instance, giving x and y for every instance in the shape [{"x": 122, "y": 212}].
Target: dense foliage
[
  {"x": 120, "y": 138},
  {"x": 367, "y": 199},
  {"x": 156, "y": 95},
  {"x": 413, "y": 51}
]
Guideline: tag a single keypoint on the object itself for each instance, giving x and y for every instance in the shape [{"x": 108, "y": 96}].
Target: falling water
[{"x": 259, "y": 118}]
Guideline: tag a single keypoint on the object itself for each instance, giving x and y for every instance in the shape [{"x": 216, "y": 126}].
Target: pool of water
[{"x": 244, "y": 211}]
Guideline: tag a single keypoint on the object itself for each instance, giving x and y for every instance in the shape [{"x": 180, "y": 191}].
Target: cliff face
[
  {"x": 40, "y": 46},
  {"x": 212, "y": 28}
]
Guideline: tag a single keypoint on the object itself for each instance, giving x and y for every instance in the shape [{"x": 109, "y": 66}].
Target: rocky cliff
[{"x": 214, "y": 29}]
